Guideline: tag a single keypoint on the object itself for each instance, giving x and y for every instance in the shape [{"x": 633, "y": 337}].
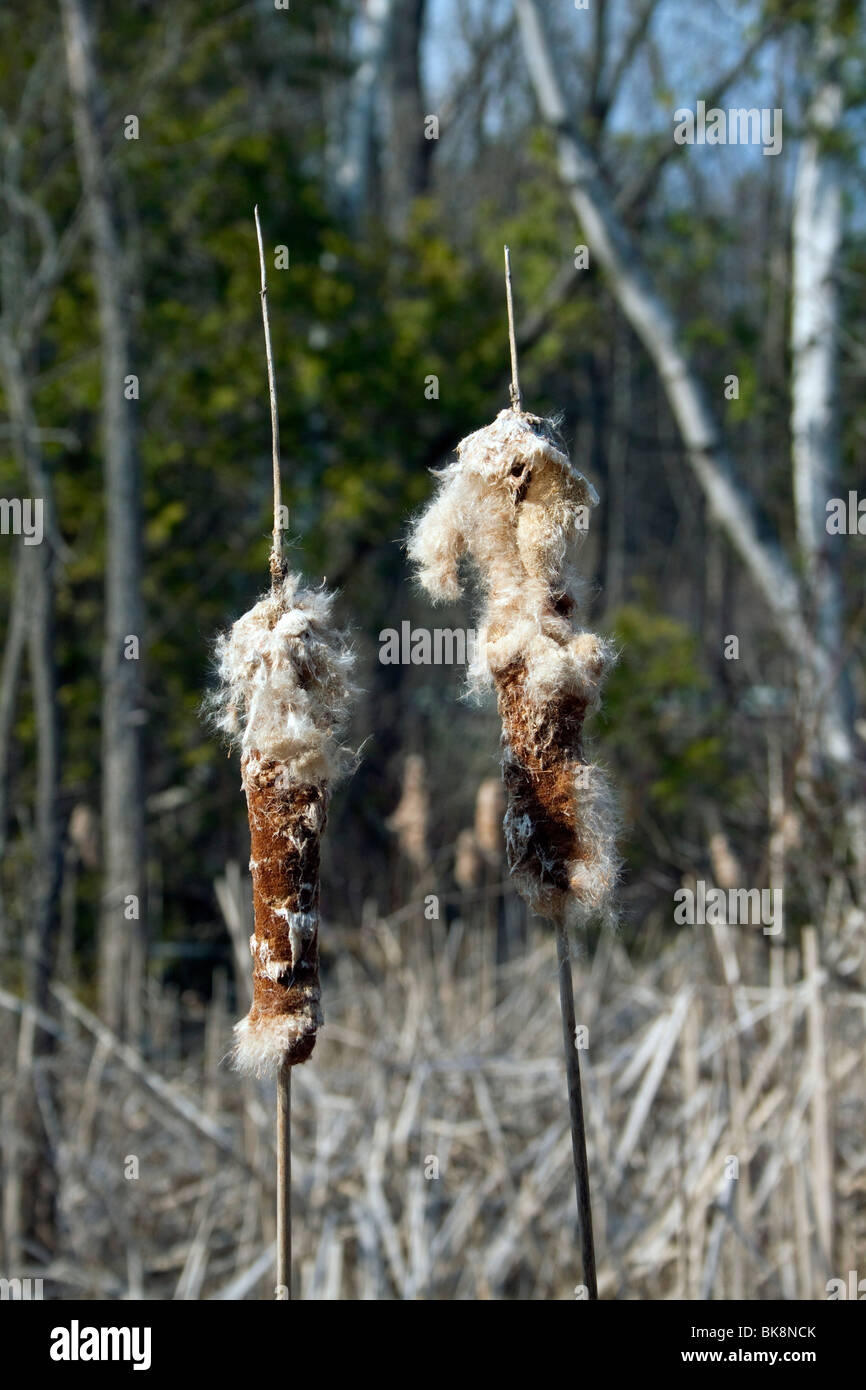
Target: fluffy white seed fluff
[
  {"x": 285, "y": 683},
  {"x": 516, "y": 505},
  {"x": 261, "y": 1046}
]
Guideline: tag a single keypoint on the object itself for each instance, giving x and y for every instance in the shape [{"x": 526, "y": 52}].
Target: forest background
[{"x": 694, "y": 311}]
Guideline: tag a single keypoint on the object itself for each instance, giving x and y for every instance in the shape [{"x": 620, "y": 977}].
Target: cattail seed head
[
  {"x": 468, "y": 862},
  {"x": 409, "y": 822},
  {"x": 516, "y": 507},
  {"x": 284, "y": 696},
  {"x": 489, "y": 812},
  {"x": 285, "y": 683}
]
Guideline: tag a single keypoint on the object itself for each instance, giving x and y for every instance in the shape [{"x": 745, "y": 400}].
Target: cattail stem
[
  {"x": 277, "y": 546},
  {"x": 516, "y": 403},
  {"x": 284, "y": 1182},
  {"x": 575, "y": 1107},
  {"x": 284, "y": 1079}
]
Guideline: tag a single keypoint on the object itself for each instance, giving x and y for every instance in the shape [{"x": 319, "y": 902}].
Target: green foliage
[{"x": 663, "y": 727}]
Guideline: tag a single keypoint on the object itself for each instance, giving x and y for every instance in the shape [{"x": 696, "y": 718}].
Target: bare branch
[
  {"x": 635, "y": 37},
  {"x": 642, "y": 185}
]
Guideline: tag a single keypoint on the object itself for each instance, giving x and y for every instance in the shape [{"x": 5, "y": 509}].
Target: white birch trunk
[{"x": 816, "y": 241}]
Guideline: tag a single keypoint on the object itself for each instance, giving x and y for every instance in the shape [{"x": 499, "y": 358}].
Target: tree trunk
[
  {"x": 408, "y": 153},
  {"x": 37, "y": 572},
  {"x": 16, "y": 635},
  {"x": 123, "y": 935},
  {"x": 34, "y": 1178},
  {"x": 354, "y": 172},
  {"x": 816, "y": 239}
]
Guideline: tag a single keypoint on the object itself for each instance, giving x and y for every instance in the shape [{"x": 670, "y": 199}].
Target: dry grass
[{"x": 716, "y": 1049}]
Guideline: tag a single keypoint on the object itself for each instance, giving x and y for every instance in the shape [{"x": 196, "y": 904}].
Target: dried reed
[
  {"x": 409, "y": 821},
  {"x": 489, "y": 815}
]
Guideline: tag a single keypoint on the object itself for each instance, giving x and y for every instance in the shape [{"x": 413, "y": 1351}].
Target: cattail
[
  {"x": 468, "y": 863},
  {"x": 84, "y": 834},
  {"x": 284, "y": 694},
  {"x": 489, "y": 814},
  {"x": 284, "y": 697},
  {"x": 409, "y": 822},
  {"x": 727, "y": 872},
  {"x": 514, "y": 504}
]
